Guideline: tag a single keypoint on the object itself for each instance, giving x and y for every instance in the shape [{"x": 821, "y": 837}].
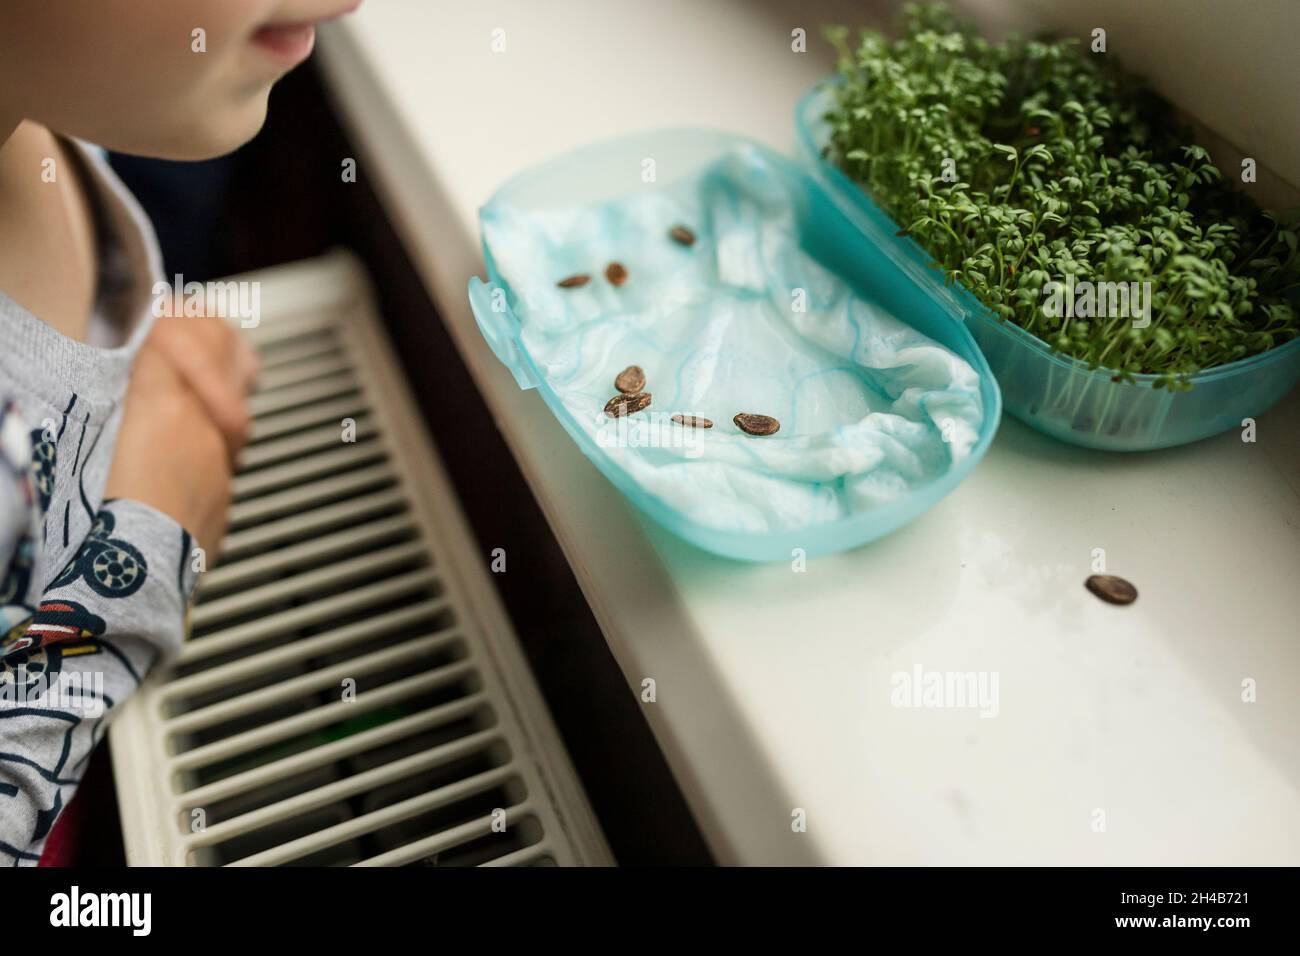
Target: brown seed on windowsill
[{"x": 1111, "y": 589}]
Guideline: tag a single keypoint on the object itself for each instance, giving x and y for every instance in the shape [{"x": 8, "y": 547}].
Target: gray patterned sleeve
[{"x": 111, "y": 614}]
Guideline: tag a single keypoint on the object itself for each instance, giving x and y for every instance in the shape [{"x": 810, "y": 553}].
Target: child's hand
[
  {"x": 217, "y": 363},
  {"x": 170, "y": 454}
]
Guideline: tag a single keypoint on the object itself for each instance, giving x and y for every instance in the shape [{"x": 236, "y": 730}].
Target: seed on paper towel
[
  {"x": 693, "y": 421},
  {"x": 631, "y": 380},
  {"x": 756, "y": 424},
  {"x": 615, "y": 273},
  {"x": 573, "y": 282},
  {"x": 621, "y": 405},
  {"x": 682, "y": 235},
  {"x": 1111, "y": 589}
]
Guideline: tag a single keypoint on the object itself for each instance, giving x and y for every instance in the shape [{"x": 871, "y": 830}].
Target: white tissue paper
[{"x": 741, "y": 321}]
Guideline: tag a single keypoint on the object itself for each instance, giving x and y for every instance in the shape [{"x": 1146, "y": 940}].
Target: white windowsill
[{"x": 774, "y": 687}]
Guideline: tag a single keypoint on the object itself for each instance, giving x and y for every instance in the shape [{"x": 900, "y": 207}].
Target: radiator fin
[{"x": 341, "y": 700}]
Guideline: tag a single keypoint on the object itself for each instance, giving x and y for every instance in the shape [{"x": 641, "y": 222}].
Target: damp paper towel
[{"x": 741, "y": 321}]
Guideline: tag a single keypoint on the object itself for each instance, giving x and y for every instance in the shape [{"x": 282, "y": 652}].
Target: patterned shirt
[{"x": 92, "y": 592}]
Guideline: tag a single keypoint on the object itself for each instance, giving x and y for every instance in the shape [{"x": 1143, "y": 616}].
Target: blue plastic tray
[
  {"x": 600, "y": 173},
  {"x": 1047, "y": 390}
]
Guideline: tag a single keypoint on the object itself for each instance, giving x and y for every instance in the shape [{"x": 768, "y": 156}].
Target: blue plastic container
[
  {"x": 600, "y": 173},
  {"x": 1047, "y": 390}
]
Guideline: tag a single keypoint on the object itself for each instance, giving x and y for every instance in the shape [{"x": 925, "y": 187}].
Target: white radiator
[{"x": 345, "y": 562}]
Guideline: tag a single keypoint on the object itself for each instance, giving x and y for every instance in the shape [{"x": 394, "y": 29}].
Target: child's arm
[
  {"x": 119, "y": 605},
  {"x": 170, "y": 452}
]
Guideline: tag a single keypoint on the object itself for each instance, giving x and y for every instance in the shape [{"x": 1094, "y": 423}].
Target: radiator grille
[{"x": 346, "y": 567}]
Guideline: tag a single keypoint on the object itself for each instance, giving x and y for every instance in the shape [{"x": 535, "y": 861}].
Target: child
[{"x": 117, "y": 434}]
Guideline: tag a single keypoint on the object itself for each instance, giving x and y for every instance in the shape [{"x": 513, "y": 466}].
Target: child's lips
[
  {"x": 293, "y": 42},
  {"x": 289, "y": 42}
]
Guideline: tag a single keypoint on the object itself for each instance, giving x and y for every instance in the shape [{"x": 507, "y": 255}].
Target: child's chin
[{"x": 208, "y": 137}]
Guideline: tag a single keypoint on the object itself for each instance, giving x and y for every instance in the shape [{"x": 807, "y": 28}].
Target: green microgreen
[{"x": 1065, "y": 166}]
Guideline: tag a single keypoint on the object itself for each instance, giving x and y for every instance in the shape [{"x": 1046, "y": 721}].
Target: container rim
[{"x": 566, "y": 157}]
